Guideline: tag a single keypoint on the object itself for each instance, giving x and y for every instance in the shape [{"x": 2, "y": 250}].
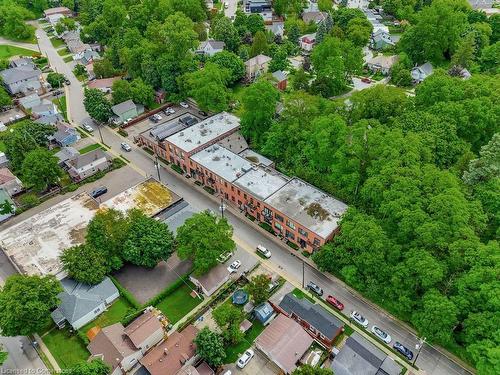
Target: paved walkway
[
  {"x": 47, "y": 353},
  {"x": 4, "y": 41}
]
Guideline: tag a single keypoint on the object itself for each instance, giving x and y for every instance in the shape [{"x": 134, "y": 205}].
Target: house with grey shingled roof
[
  {"x": 21, "y": 79},
  {"x": 126, "y": 110},
  {"x": 82, "y": 303},
  {"x": 88, "y": 164},
  {"x": 210, "y": 47}
]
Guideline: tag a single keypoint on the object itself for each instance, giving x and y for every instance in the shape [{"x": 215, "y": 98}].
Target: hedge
[
  {"x": 292, "y": 245},
  {"x": 125, "y": 293},
  {"x": 176, "y": 168},
  {"x": 123, "y": 133},
  {"x": 209, "y": 190},
  {"x": 267, "y": 227},
  {"x": 82, "y": 336},
  {"x": 167, "y": 291}
]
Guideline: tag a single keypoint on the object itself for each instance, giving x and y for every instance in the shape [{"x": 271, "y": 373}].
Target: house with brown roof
[
  {"x": 9, "y": 182},
  {"x": 284, "y": 342},
  {"x": 122, "y": 348},
  {"x": 103, "y": 84},
  {"x": 172, "y": 354}
]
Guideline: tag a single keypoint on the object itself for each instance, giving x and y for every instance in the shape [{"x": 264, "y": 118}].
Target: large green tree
[
  {"x": 228, "y": 317},
  {"x": 259, "y": 288},
  {"x": 26, "y": 303},
  {"x": 203, "y": 238},
  {"x": 97, "y": 105},
  {"x": 40, "y": 169},
  {"x": 94, "y": 367},
  {"x": 85, "y": 264},
  {"x": 210, "y": 347},
  {"x": 230, "y": 61},
  {"x": 310, "y": 370},
  {"x": 148, "y": 240}
]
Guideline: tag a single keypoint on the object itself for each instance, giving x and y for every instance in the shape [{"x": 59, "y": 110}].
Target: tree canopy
[
  {"x": 40, "y": 169},
  {"x": 210, "y": 347}
]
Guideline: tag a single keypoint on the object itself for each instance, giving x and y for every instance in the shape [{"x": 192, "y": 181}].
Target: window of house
[
  {"x": 225, "y": 184},
  {"x": 245, "y": 196},
  {"x": 258, "y": 204},
  {"x": 268, "y": 212},
  {"x": 303, "y": 232},
  {"x": 316, "y": 242},
  {"x": 279, "y": 217},
  {"x": 238, "y": 191},
  {"x": 290, "y": 224},
  {"x": 239, "y": 202},
  {"x": 289, "y": 235},
  {"x": 278, "y": 225},
  {"x": 232, "y": 188}
]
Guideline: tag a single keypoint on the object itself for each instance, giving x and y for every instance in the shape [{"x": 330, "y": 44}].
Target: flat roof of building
[
  {"x": 35, "y": 244},
  {"x": 256, "y": 158},
  {"x": 204, "y": 131},
  {"x": 261, "y": 182},
  {"x": 222, "y": 162},
  {"x": 308, "y": 206}
]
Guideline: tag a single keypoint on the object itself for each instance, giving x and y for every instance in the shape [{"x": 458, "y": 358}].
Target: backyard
[
  {"x": 7, "y": 51},
  {"x": 178, "y": 304},
  {"x": 67, "y": 348},
  {"x": 233, "y": 352},
  {"x": 115, "y": 313}
]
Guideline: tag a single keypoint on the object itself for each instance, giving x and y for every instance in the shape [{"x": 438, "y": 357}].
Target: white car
[
  {"x": 234, "y": 266},
  {"x": 245, "y": 358},
  {"x": 384, "y": 336},
  {"x": 126, "y": 147},
  {"x": 88, "y": 128},
  {"x": 184, "y": 105},
  {"x": 169, "y": 111},
  {"x": 360, "y": 319},
  {"x": 261, "y": 249},
  {"x": 157, "y": 116}
]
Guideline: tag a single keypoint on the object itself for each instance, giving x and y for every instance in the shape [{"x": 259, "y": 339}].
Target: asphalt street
[{"x": 247, "y": 236}]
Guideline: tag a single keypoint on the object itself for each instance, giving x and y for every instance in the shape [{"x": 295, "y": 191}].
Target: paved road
[
  {"x": 19, "y": 358},
  {"x": 248, "y": 237}
]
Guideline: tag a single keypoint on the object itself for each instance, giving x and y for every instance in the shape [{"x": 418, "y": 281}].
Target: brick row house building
[{"x": 214, "y": 153}]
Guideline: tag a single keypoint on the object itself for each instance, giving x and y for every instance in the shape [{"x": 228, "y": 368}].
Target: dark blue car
[{"x": 403, "y": 350}]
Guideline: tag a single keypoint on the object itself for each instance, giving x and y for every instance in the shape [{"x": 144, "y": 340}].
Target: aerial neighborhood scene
[{"x": 259, "y": 187}]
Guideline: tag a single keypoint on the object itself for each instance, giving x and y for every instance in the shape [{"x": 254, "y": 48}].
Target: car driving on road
[
  {"x": 314, "y": 288},
  {"x": 262, "y": 250},
  {"x": 126, "y": 147},
  {"x": 335, "y": 303},
  {"x": 360, "y": 319},
  {"x": 245, "y": 358},
  {"x": 403, "y": 350},
  {"x": 381, "y": 335}
]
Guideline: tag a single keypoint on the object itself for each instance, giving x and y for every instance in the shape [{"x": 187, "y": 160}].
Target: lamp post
[
  {"x": 157, "y": 166},
  {"x": 421, "y": 342},
  {"x": 222, "y": 206}
]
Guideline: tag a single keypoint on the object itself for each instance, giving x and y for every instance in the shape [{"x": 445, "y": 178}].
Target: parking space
[
  {"x": 248, "y": 261},
  {"x": 11, "y": 115},
  {"x": 259, "y": 364}
]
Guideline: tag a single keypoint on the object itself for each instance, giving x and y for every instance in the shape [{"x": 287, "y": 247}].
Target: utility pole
[
  {"x": 421, "y": 342},
  {"x": 303, "y": 275},
  {"x": 157, "y": 165}
]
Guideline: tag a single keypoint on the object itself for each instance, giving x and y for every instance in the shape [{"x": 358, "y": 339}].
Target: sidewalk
[{"x": 47, "y": 353}]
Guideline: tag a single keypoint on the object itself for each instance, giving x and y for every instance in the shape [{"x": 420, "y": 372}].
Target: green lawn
[
  {"x": 233, "y": 352},
  {"x": 9, "y": 51},
  {"x": 116, "y": 312},
  {"x": 61, "y": 104},
  {"x": 92, "y": 147},
  {"x": 68, "y": 58},
  {"x": 68, "y": 349},
  {"x": 176, "y": 305},
  {"x": 301, "y": 294},
  {"x": 63, "y": 52},
  {"x": 56, "y": 42}
]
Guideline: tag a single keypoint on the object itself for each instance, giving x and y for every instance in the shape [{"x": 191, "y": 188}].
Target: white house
[
  {"x": 307, "y": 42},
  {"x": 210, "y": 47},
  {"x": 382, "y": 64},
  {"x": 419, "y": 73}
]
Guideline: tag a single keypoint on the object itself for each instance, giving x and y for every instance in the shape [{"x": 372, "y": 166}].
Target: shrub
[
  {"x": 125, "y": 293},
  {"x": 123, "y": 133},
  {"x": 29, "y": 200},
  {"x": 209, "y": 190},
  {"x": 176, "y": 168},
  {"x": 292, "y": 245},
  {"x": 82, "y": 336},
  {"x": 167, "y": 291},
  {"x": 305, "y": 253},
  {"x": 252, "y": 218},
  {"x": 148, "y": 150},
  {"x": 267, "y": 227},
  {"x": 198, "y": 183}
]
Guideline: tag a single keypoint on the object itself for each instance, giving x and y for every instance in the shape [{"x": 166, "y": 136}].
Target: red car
[
  {"x": 366, "y": 80},
  {"x": 335, "y": 302}
]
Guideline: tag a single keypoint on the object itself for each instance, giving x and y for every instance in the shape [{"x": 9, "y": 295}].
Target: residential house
[
  {"x": 45, "y": 109},
  {"x": 264, "y": 313},
  {"x": 313, "y": 17},
  {"x": 122, "y": 348},
  {"x": 176, "y": 215},
  {"x": 307, "y": 42},
  {"x": 54, "y": 19},
  {"x": 4, "y": 160},
  {"x": 281, "y": 80},
  {"x": 73, "y": 35},
  {"x": 419, "y": 73},
  {"x": 82, "y": 303},
  {"x": 77, "y": 47},
  {"x": 382, "y": 63},
  {"x": 126, "y": 111},
  {"x": 284, "y": 342},
  {"x": 296, "y": 62},
  {"x": 277, "y": 27},
  {"x": 103, "y": 84},
  {"x": 256, "y": 66},
  {"x": 86, "y": 165},
  {"x": 262, "y": 7},
  {"x": 30, "y": 101},
  {"x": 210, "y": 47},
  {"x": 381, "y": 40},
  {"x": 9, "y": 182},
  {"x": 65, "y": 135},
  {"x": 212, "y": 280},
  {"x": 172, "y": 354},
  {"x": 316, "y": 320},
  {"x": 58, "y": 10},
  {"x": 65, "y": 154},
  {"x": 86, "y": 57},
  {"x": 21, "y": 61},
  {"x": 50, "y": 120},
  {"x": 24, "y": 79},
  {"x": 4, "y": 197},
  {"x": 358, "y": 356}
]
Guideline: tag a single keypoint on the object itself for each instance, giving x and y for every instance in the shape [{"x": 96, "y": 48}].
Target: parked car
[
  {"x": 314, "y": 288},
  {"x": 261, "y": 249},
  {"x": 403, "y": 350},
  {"x": 382, "y": 335},
  {"x": 234, "y": 266},
  {"x": 202, "y": 113},
  {"x": 153, "y": 118},
  {"x": 224, "y": 257},
  {"x": 184, "y": 105},
  {"x": 126, "y": 146},
  {"x": 99, "y": 191},
  {"x": 366, "y": 80},
  {"x": 169, "y": 111},
  {"x": 245, "y": 358},
  {"x": 88, "y": 128},
  {"x": 335, "y": 302},
  {"x": 67, "y": 82},
  {"x": 360, "y": 319}
]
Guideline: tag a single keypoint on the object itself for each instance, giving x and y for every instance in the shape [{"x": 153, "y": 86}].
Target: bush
[
  {"x": 148, "y": 150},
  {"x": 307, "y": 254},
  {"x": 122, "y": 132},
  {"x": 126, "y": 294},
  {"x": 292, "y": 245},
  {"x": 82, "y": 336},
  {"x": 252, "y": 218},
  {"x": 176, "y": 168},
  {"x": 129, "y": 317},
  {"x": 198, "y": 183},
  {"x": 267, "y": 227},
  {"x": 209, "y": 190},
  {"x": 29, "y": 200}
]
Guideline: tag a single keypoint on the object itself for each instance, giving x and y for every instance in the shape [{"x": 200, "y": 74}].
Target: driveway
[
  {"x": 232, "y": 7},
  {"x": 259, "y": 364}
]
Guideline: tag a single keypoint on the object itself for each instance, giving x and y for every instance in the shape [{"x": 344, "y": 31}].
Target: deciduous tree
[
  {"x": 230, "y": 61},
  {"x": 85, "y": 264},
  {"x": 40, "y": 169},
  {"x": 210, "y": 347},
  {"x": 97, "y": 105},
  {"x": 94, "y": 367},
  {"x": 259, "y": 288}
]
